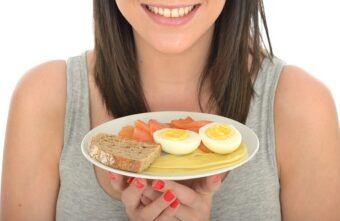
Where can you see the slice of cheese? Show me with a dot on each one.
(197, 161)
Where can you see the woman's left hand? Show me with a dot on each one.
(195, 199)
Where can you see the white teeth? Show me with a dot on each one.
(173, 13)
(187, 10)
(166, 13)
(181, 11)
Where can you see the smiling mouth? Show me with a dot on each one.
(171, 12)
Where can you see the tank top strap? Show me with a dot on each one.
(268, 77)
(77, 106)
(261, 113)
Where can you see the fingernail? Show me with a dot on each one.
(130, 179)
(174, 204)
(158, 185)
(112, 176)
(168, 196)
(216, 179)
(139, 183)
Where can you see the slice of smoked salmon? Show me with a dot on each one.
(142, 125)
(196, 125)
(155, 125)
(204, 148)
(142, 135)
(126, 132)
(179, 123)
(189, 124)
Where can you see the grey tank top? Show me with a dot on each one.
(250, 192)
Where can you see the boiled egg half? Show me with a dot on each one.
(220, 138)
(177, 141)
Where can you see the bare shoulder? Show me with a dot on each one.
(39, 99)
(308, 147)
(34, 139)
(303, 102)
(44, 80)
(304, 99)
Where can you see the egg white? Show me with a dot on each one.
(221, 146)
(177, 147)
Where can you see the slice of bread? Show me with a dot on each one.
(123, 154)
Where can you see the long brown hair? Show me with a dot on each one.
(236, 53)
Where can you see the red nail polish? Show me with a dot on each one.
(139, 184)
(168, 196)
(129, 181)
(112, 176)
(174, 204)
(158, 185)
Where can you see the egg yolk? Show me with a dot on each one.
(174, 134)
(219, 132)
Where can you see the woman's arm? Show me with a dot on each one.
(33, 143)
(308, 148)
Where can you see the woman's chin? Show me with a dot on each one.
(171, 49)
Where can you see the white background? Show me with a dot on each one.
(303, 33)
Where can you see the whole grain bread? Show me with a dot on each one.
(123, 154)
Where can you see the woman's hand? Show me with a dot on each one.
(195, 200)
(167, 200)
(162, 207)
(117, 183)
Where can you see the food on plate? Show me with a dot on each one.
(215, 137)
(124, 154)
(198, 161)
(220, 138)
(143, 131)
(195, 145)
(126, 132)
(177, 141)
(188, 123)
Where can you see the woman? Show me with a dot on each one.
(193, 55)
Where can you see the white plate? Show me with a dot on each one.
(114, 126)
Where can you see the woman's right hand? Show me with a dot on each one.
(164, 207)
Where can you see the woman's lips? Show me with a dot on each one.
(171, 15)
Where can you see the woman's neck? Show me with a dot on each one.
(180, 68)
(174, 76)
